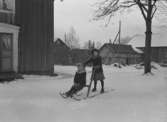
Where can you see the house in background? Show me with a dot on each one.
(159, 54)
(79, 55)
(119, 53)
(8, 41)
(63, 55)
(158, 46)
(61, 52)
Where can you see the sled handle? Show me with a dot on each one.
(90, 84)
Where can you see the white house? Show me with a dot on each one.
(8, 40)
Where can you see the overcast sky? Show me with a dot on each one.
(79, 14)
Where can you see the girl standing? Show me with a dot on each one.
(97, 70)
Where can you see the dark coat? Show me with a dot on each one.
(96, 62)
(80, 78)
(97, 71)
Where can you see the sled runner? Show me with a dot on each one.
(82, 96)
(65, 97)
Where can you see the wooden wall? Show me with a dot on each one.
(61, 54)
(35, 17)
(109, 57)
(158, 54)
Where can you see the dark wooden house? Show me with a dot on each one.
(35, 19)
(79, 55)
(61, 53)
(159, 54)
(114, 53)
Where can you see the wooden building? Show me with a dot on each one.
(26, 37)
(159, 54)
(114, 53)
(8, 41)
(79, 55)
(35, 19)
(61, 53)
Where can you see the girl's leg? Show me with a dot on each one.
(102, 86)
(95, 85)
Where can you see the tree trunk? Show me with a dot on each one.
(147, 59)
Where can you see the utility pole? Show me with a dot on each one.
(119, 41)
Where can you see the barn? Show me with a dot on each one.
(119, 53)
(61, 53)
(64, 55)
(159, 54)
(35, 19)
(79, 55)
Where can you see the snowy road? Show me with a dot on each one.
(136, 98)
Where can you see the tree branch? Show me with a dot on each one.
(154, 12)
(127, 6)
(154, 3)
(141, 8)
(107, 9)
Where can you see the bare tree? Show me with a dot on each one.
(148, 8)
(72, 39)
(89, 45)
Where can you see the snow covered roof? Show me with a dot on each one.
(119, 48)
(137, 50)
(158, 40)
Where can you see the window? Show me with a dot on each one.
(5, 52)
(7, 11)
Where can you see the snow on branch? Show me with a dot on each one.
(108, 8)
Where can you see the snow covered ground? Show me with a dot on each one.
(134, 98)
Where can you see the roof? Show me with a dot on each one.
(60, 42)
(138, 50)
(158, 40)
(119, 48)
(152, 47)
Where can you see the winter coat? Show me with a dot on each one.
(80, 78)
(96, 62)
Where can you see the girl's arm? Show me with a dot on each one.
(88, 61)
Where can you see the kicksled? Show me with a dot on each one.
(79, 97)
(82, 96)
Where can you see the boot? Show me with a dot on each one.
(94, 89)
(102, 87)
(95, 84)
(102, 91)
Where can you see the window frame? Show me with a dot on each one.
(6, 57)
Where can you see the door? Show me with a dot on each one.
(6, 52)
